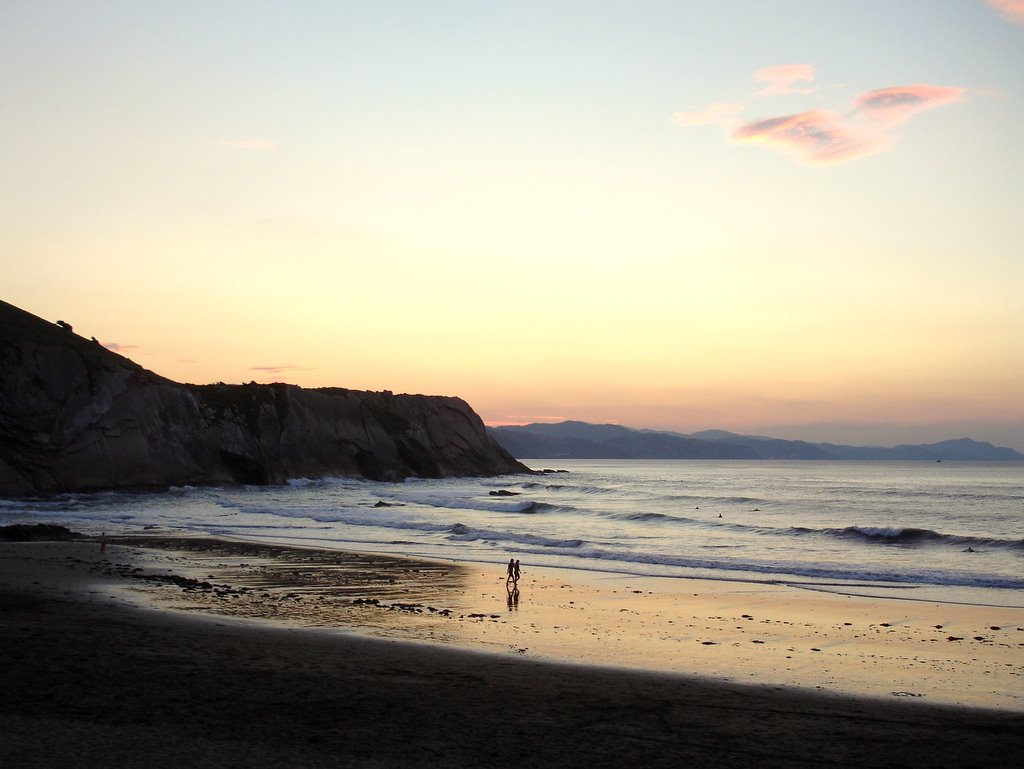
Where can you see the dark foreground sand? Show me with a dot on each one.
(88, 680)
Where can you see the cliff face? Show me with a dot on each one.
(75, 416)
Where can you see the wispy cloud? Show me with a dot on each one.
(720, 113)
(250, 144)
(817, 137)
(118, 347)
(279, 369)
(1011, 10)
(900, 103)
(823, 136)
(782, 77)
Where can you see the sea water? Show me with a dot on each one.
(934, 531)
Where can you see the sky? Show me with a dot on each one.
(786, 217)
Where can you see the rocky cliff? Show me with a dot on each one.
(75, 416)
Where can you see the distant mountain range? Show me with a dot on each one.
(583, 440)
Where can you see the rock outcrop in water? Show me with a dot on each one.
(75, 416)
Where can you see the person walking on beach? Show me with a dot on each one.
(515, 573)
(511, 571)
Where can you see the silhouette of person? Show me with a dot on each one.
(515, 572)
(511, 570)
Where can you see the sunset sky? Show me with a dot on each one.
(792, 217)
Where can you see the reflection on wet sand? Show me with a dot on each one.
(767, 633)
(306, 587)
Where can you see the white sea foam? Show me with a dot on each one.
(956, 525)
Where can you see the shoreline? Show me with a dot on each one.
(103, 670)
(774, 635)
(771, 634)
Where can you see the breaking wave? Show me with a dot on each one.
(909, 536)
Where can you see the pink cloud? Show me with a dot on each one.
(823, 136)
(1010, 10)
(819, 137)
(781, 79)
(719, 113)
(118, 347)
(900, 103)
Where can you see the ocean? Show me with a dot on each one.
(943, 531)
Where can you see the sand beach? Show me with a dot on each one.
(159, 651)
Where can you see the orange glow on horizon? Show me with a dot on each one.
(622, 253)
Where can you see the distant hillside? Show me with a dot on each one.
(583, 440)
(959, 449)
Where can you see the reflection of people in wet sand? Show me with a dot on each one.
(513, 598)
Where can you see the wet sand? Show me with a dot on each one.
(264, 667)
